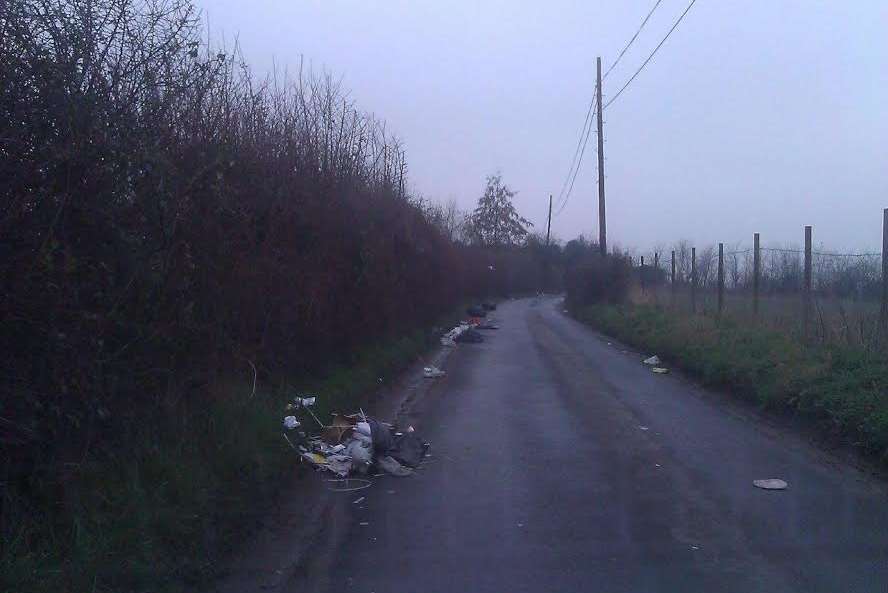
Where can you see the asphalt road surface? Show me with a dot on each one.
(560, 463)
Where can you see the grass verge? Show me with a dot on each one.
(162, 511)
(843, 389)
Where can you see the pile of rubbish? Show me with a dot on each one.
(466, 331)
(354, 444)
(450, 338)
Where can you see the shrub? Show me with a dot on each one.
(597, 279)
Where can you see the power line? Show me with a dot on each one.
(653, 53)
(573, 161)
(580, 161)
(589, 114)
(631, 41)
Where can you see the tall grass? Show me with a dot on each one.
(166, 509)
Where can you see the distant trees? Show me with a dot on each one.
(495, 222)
(448, 217)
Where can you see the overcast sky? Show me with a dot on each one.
(756, 115)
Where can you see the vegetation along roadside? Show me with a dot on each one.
(840, 387)
(181, 495)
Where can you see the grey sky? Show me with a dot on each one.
(758, 115)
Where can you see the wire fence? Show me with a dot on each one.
(816, 295)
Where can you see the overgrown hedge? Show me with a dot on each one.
(169, 222)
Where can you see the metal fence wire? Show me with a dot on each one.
(813, 294)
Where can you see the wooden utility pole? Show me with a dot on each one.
(602, 219)
(756, 272)
(806, 305)
(693, 279)
(549, 224)
(721, 278)
(641, 274)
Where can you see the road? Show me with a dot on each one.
(561, 463)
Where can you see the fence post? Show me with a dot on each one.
(756, 272)
(693, 279)
(656, 276)
(883, 312)
(672, 283)
(641, 274)
(721, 278)
(806, 307)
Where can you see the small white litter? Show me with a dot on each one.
(290, 422)
(643, 428)
(432, 372)
(770, 484)
(652, 361)
(364, 429)
(359, 500)
(449, 339)
(659, 370)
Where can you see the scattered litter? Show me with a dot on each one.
(658, 465)
(449, 339)
(652, 361)
(660, 370)
(364, 523)
(695, 547)
(301, 403)
(564, 311)
(469, 336)
(770, 484)
(360, 450)
(355, 444)
(643, 428)
(360, 500)
(348, 484)
(341, 465)
(390, 491)
(392, 466)
(521, 525)
(432, 372)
